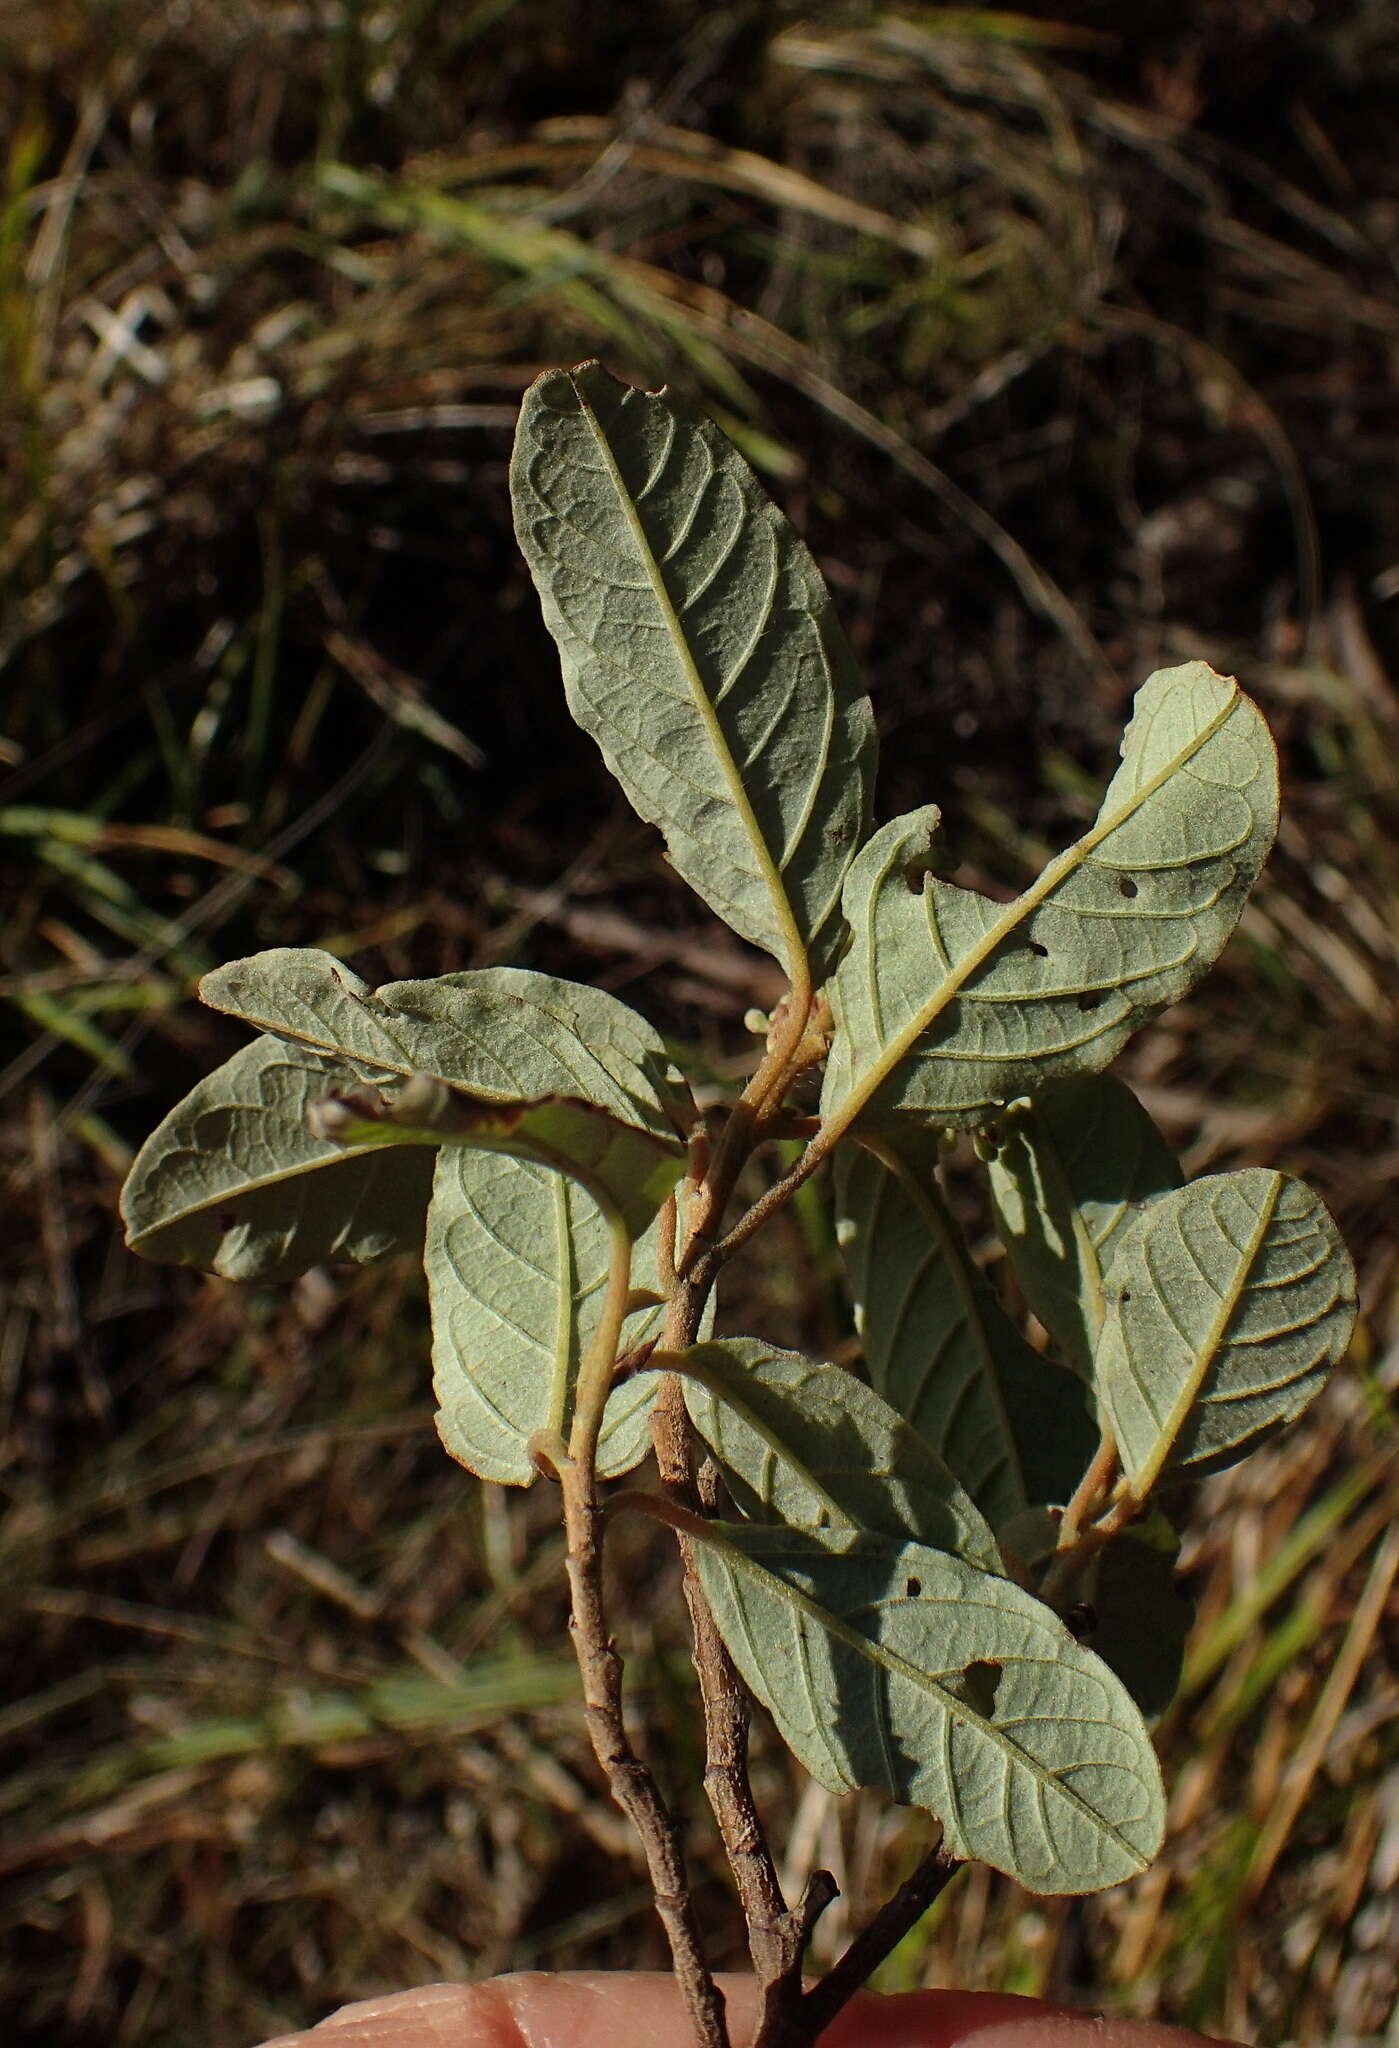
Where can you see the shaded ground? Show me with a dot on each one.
(1071, 352)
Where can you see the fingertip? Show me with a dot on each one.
(431, 2016)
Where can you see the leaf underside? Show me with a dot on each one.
(516, 1263)
(1230, 1302)
(1012, 1425)
(503, 1033)
(890, 1665)
(232, 1181)
(812, 1446)
(1071, 1169)
(949, 1004)
(544, 1069)
(700, 651)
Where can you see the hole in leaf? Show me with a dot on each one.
(1125, 1296)
(1126, 886)
(977, 1686)
(1042, 952)
(1090, 998)
(912, 1588)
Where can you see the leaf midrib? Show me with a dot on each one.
(1043, 886)
(1205, 1351)
(252, 1186)
(727, 1396)
(794, 946)
(955, 1708)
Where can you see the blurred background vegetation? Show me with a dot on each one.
(1068, 336)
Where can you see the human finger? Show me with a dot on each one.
(616, 2009)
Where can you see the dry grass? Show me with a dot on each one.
(1071, 355)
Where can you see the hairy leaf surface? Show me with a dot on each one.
(814, 1447)
(629, 1170)
(1012, 1425)
(891, 1665)
(233, 1182)
(516, 1264)
(1071, 1169)
(540, 1068)
(502, 1033)
(700, 651)
(1229, 1303)
(949, 1004)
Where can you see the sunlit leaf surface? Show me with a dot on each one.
(887, 1664)
(948, 1003)
(1230, 1302)
(700, 651)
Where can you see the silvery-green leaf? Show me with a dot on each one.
(1070, 1170)
(700, 651)
(1229, 1303)
(628, 1170)
(516, 1264)
(503, 1059)
(502, 1033)
(232, 1181)
(814, 1447)
(890, 1665)
(949, 1004)
(938, 1346)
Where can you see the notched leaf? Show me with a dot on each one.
(234, 1182)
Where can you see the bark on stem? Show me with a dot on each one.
(777, 1937)
(883, 1934)
(629, 1780)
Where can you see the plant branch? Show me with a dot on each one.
(777, 1195)
(599, 1361)
(883, 1934)
(1089, 1491)
(630, 1782)
(600, 1665)
(776, 1937)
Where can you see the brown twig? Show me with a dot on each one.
(725, 1707)
(629, 1780)
(883, 1934)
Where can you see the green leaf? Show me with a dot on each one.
(890, 1665)
(1070, 1171)
(628, 1170)
(1229, 1303)
(502, 1059)
(516, 1264)
(938, 1346)
(812, 1446)
(499, 1032)
(949, 1004)
(233, 1182)
(700, 651)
